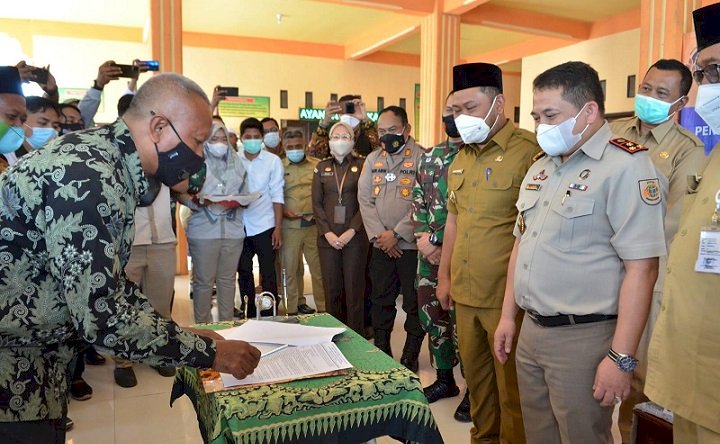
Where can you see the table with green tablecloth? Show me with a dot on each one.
(377, 397)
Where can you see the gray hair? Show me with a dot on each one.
(159, 88)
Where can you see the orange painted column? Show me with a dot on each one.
(663, 23)
(166, 25)
(166, 21)
(439, 52)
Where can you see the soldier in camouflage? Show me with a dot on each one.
(428, 216)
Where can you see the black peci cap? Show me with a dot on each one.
(707, 25)
(470, 75)
(10, 82)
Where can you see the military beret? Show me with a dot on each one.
(707, 25)
(10, 82)
(470, 75)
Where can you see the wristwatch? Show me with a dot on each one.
(625, 363)
(433, 239)
(397, 236)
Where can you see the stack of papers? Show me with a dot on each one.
(289, 352)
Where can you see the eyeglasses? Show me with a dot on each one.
(341, 137)
(711, 72)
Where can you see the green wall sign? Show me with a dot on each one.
(319, 114)
(245, 106)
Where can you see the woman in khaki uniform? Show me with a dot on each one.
(342, 242)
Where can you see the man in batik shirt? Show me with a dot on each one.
(66, 224)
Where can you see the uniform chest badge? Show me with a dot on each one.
(408, 164)
(405, 192)
(377, 179)
(460, 171)
(650, 191)
(540, 176)
(405, 181)
(390, 177)
(408, 152)
(533, 186)
(376, 190)
(664, 154)
(377, 164)
(499, 159)
(584, 174)
(521, 223)
(354, 169)
(578, 186)
(328, 169)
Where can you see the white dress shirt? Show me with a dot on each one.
(265, 175)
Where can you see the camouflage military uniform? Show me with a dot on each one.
(429, 215)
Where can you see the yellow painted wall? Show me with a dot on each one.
(511, 91)
(265, 74)
(615, 57)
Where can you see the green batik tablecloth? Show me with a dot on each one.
(377, 397)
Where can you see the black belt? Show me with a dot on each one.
(566, 319)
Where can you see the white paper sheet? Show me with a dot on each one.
(293, 363)
(270, 332)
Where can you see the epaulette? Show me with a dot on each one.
(690, 135)
(628, 145)
(538, 156)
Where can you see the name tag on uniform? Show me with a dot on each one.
(460, 171)
(708, 260)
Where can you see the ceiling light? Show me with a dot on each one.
(278, 17)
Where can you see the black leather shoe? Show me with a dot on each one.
(165, 371)
(80, 390)
(92, 357)
(462, 413)
(411, 352)
(305, 309)
(125, 377)
(440, 390)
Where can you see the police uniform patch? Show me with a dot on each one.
(578, 186)
(354, 169)
(377, 179)
(405, 181)
(328, 169)
(499, 159)
(664, 154)
(584, 174)
(628, 145)
(538, 156)
(460, 171)
(533, 186)
(376, 190)
(540, 176)
(408, 152)
(650, 191)
(408, 164)
(405, 192)
(377, 164)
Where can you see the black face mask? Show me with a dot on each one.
(178, 164)
(393, 142)
(66, 128)
(449, 126)
(152, 192)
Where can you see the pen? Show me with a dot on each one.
(567, 194)
(488, 171)
(282, 347)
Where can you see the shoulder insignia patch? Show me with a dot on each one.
(538, 156)
(650, 191)
(628, 145)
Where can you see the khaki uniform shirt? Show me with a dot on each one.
(483, 186)
(385, 192)
(579, 221)
(298, 190)
(684, 357)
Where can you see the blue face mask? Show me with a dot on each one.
(651, 110)
(295, 156)
(252, 146)
(41, 136)
(11, 138)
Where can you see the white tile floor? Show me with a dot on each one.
(142, 414)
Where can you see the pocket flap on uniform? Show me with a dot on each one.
(498, 182)
(574, 207)
(527, 201)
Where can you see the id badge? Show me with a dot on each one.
(708, 260)
(339, 214)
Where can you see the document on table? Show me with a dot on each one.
(269, 332)
(293, 363)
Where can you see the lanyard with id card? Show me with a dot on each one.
(708, 260)
(339, 210)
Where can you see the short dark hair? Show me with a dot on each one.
(579, 82)
(270, 119)
(292, 132)
(124, 103)
(250, 123)
(37, 104)
(676, 65)
(349, 98)
(397, 111)
(63, 106)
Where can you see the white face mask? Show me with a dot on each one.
(707, 105)
(341, 148)
(475, 129)
(350, 120)
(217, 149)
(271, 140)
(557, 140)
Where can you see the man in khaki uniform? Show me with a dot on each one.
(677, 154)
(588, 238)
(299, 230)
(684, 355)
(483, 184)
(385, 197)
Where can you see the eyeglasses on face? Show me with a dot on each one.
(711, 72)
(341, 137)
